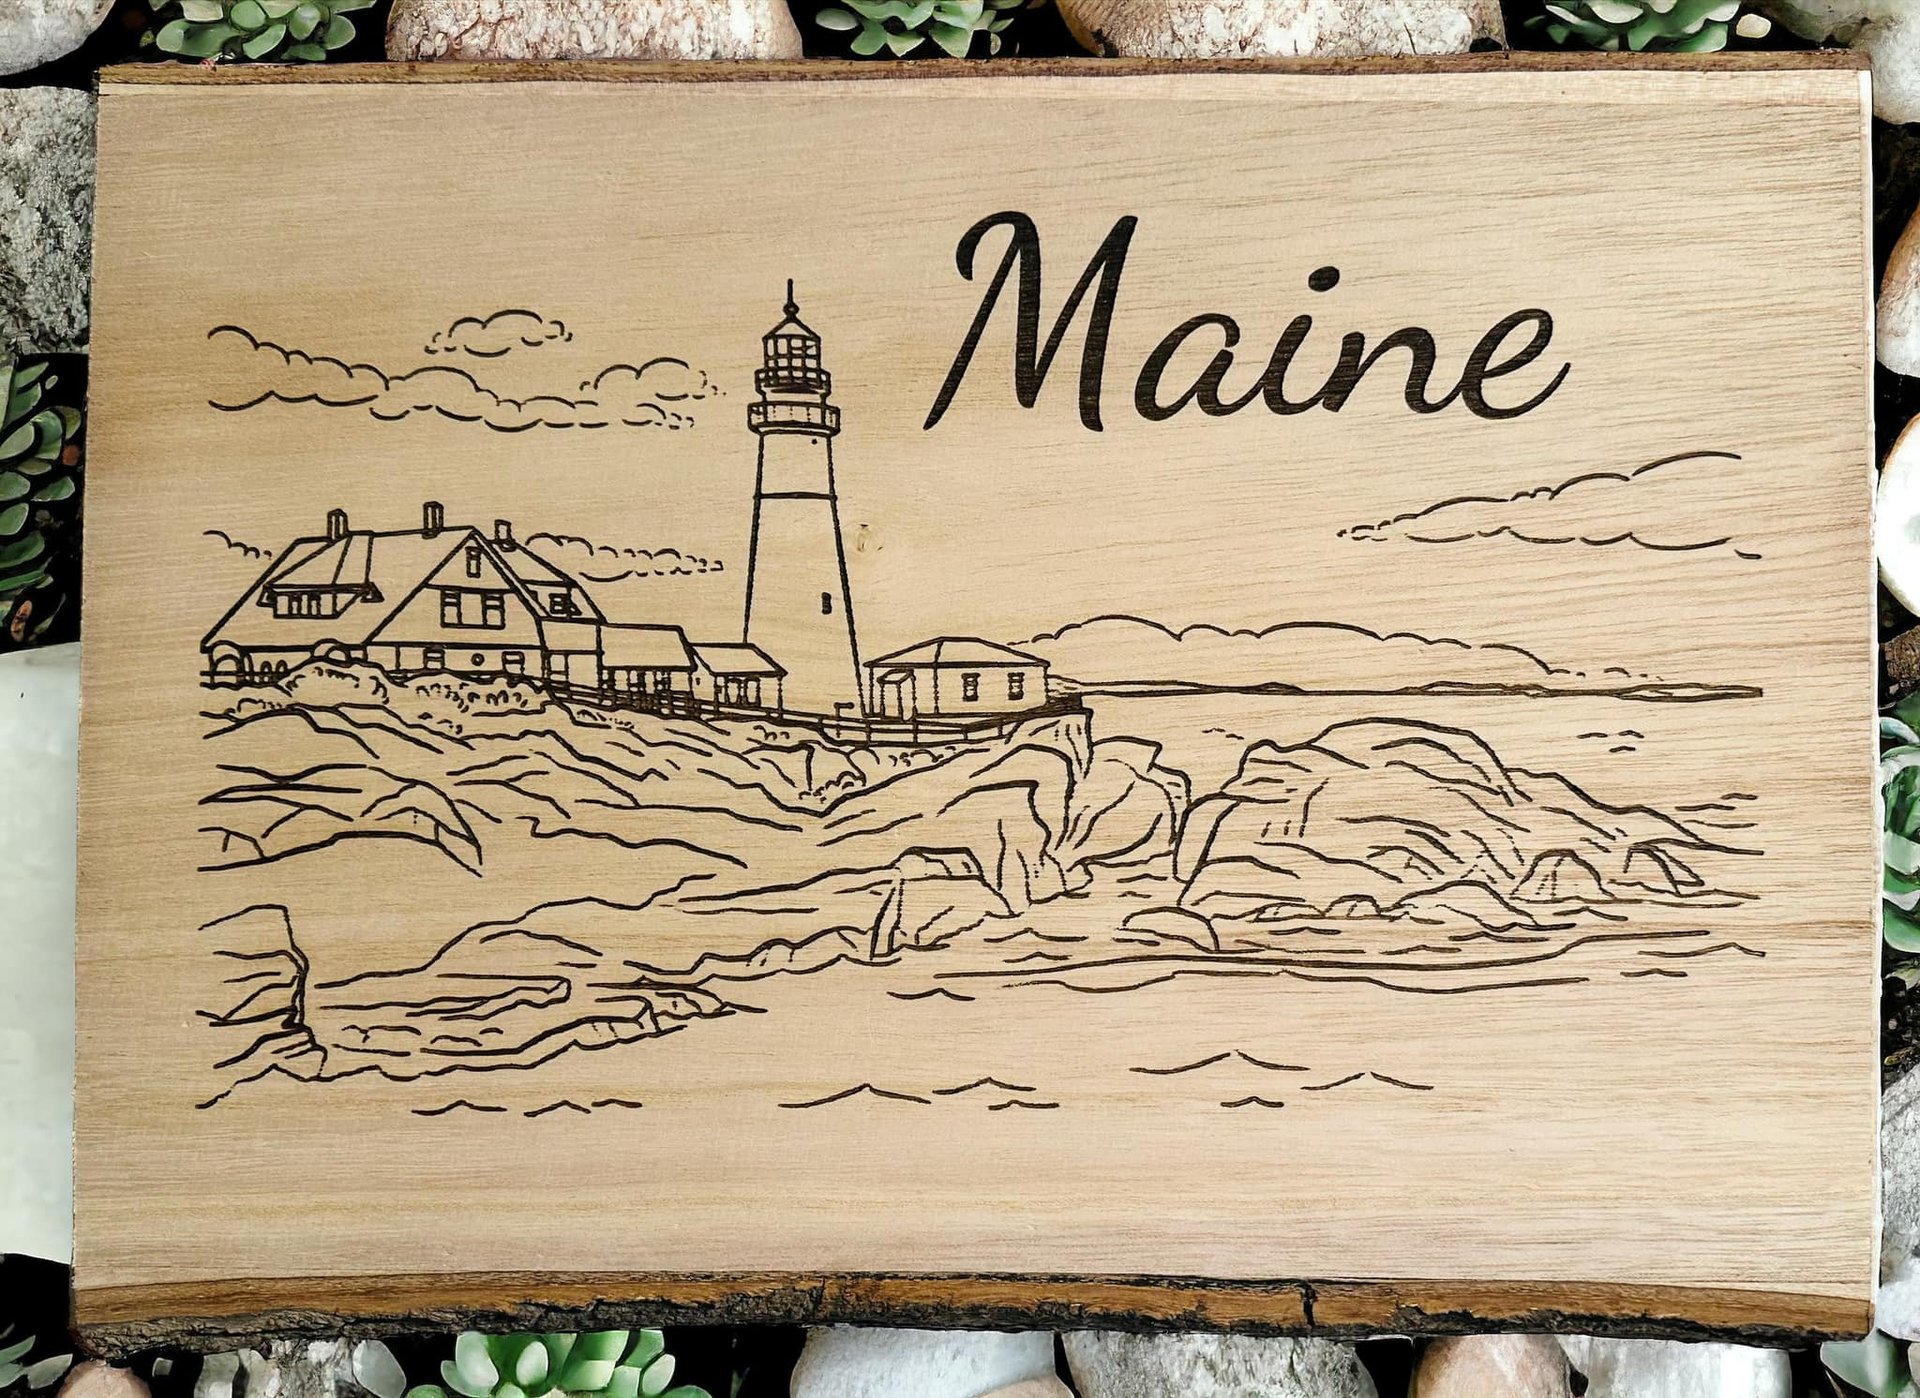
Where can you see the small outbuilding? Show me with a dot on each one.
(652, 660)
(736, 674)
(953, 677)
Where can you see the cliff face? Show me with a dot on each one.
(1380, 817)
(803, 853)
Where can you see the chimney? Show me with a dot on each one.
(336, 524)
(433, 518)
(503, 532)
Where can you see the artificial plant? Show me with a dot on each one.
(614, 1363)
(39, 503)
(1877, 1366)
(1900, 830)
(306, 30)
(1671, 26)
(901, 26)
(18, 1374)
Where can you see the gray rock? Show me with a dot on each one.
(845, 1361)
(46, 218)
(1107, 1364)
(1887, 31)
(33, 32)
(656, 29)
(1670, 1369)
(1281, 28)
(289, 1369)
(1493, 1366)
(1896, 1307)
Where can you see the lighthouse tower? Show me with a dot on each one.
(798, 608)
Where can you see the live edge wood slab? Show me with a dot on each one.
(675, 731)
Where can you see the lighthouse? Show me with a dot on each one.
(799, 610)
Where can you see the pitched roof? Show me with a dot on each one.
(954, 651)
(386, 568)
(735, 660)
(396, 564)
(625, 646)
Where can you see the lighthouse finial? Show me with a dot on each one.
(792, 308)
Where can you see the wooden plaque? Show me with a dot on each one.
(1083, 694)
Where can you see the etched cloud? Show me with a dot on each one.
(490, 337)
(607, 563)
(1674, 505)
(249, 371)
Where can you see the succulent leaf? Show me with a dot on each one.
(1643, 26)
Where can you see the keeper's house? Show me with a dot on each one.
(432, 598)
(955, 677)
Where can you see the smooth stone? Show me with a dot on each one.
(1110, 1364)
(1896, 1307)
(1281, 28)
(1493, 1366)
(33, 32)
(1672, 1369)
(46, 218)
(1887, 31)
(847, 1361)
(1896, 521)
(376, 1370)
(654, 29)
(1032, 1388)
(1896, 327)
(92, 1379)
(218, 1373)
(39, 771)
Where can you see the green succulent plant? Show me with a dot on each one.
(1672, 26)
(1876, 1365)
(616, 1363)
(39, 504)
(901, 26)
(307, 30)
(17, 1375)
(1900, 830)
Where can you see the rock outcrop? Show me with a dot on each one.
(788, 853)
(1396, 820)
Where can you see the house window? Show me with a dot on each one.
(826, 604)
(563, 605)
(515, 662)
(1016, 685)
(435, 658)
(473, 560)
(970, 687)
(493, 610)
(479, 661)
(449, 606)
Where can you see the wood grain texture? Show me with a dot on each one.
(590, 813)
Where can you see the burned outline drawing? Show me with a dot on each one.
(791, 810)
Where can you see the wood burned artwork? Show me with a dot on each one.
(1239, 698)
